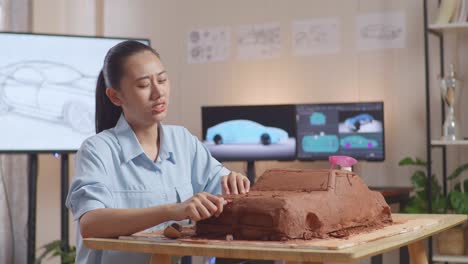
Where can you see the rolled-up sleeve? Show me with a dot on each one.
(206, 170)
(90, 188)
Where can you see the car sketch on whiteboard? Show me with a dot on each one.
(50, 91)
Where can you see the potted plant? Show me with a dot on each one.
(55, 249)
(453, 241)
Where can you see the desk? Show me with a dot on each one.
(392, 195)
(162, 252)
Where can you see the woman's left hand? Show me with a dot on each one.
(235, 183)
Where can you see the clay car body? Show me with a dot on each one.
(299, 204)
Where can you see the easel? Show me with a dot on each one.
(32, 202)
(32, 191)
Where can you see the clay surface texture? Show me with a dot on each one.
(287, 204)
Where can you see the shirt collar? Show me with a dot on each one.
(131, 148)
(165, 152)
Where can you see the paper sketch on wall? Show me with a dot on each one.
(208, 45)
(259, 41)
(317, 36)
(50, 91)
(380, 31)
(2, 15)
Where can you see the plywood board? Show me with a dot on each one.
(399, 227)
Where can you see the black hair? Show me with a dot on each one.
(107, 114)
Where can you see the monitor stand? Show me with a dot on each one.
(251, 171)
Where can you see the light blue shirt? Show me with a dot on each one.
(113, 171)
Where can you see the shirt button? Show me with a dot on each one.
(165, 196)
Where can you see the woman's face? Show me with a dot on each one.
(144, 89)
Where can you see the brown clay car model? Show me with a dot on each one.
(300, 204)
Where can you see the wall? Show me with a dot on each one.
(395, 76)
(57, 17)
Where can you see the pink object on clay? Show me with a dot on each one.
(343, 161)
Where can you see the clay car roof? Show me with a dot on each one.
(304, 180)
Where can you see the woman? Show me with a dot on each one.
(136, 173)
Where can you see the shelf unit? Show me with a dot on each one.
(451, 259)
(438, 143)
(440, 28)
(438, 31)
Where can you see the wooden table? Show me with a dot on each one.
(394, 195)
(162, 252)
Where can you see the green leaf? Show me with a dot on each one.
(48, 249)
(409, 161)
(406, 161)
(54, 249)
(458, 171)
(420, 162)
(419, 179)
(416, 206)
(69, 259)
(436, 188)
(422, 195)
(53, 245)
(459, 202)
(439, 204)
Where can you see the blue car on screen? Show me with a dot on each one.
(355, 123)
(244, 132)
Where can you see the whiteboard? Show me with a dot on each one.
(47, 90)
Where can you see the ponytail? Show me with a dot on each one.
(107, 114)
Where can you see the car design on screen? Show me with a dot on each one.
(243, 131)
(318, 119)
(50, 91)
(355, 123)
(358, 142)
(320, 143)
(265, 212)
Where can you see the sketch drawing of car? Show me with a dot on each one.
(264, 36)
(358, 142)
(243, 131)
(49, 91)
(326, 198)
(381, 32)
(311, 38)
(355, 123)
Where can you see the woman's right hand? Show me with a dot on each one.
(201, 206)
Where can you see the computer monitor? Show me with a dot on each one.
(47, 90)
(250, 133)
(351, 129)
